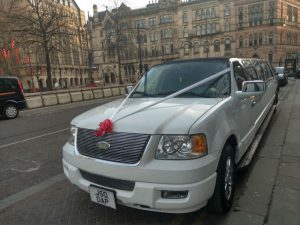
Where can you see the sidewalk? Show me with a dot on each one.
(271, 195)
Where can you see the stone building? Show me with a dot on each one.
(268, 29)
(126, 41)
(69, 53)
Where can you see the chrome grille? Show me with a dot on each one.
(108, 182)
(124, 147)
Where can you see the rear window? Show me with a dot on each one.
(6, 85)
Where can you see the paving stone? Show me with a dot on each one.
(291, 150)
(285, 207)
(290, 169)
(264, 171)
(271, 152)
(288, 182)
(236, 218)
(294, 125)
(255, 198)
(292, 137)
(276, 136)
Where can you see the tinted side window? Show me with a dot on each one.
(259, 71)
(239, 75)
(249, 70)
(266, 71)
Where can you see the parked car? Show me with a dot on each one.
(282, 76)
(12, 97)
(174, 144)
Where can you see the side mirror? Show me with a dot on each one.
(129, 89)
(254, 86)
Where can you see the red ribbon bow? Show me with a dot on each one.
(106, 126)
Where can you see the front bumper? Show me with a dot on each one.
(193, 176)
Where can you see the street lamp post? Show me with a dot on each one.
(140, 50)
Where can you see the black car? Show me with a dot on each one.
(12, 97)
(282, 76)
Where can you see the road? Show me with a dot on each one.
(33, 189)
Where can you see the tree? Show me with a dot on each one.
(45, 23)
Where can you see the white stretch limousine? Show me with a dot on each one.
(174, 143)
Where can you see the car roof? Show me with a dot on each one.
(8, 77)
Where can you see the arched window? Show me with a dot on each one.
(196, 49)
(227, 44)
(145, 38)
(113, 77)
(186, 49)
(207, 13)
(226, 10)
(203, 14)
(241, 41)
(216, 46)
(213, 13)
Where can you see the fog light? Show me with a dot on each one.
(174, 194)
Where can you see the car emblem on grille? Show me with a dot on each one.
(102, 145)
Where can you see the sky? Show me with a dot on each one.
(87, 5)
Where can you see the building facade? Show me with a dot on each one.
(126, 42)
(68, 48)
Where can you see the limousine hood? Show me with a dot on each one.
(173, 116)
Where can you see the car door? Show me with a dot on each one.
(245, 111)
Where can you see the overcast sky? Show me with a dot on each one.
(87, 5)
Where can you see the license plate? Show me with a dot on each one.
(103, 196)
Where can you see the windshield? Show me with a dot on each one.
(166, 79)
(279, 69)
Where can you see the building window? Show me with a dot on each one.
(152, 21)
(203, 29)
(166, 33)
(208, 29)
(213, 28)
(227, 26)
(271, 12)
(185, 32)
(251, 40)
(213, 13)
(216, 46)
(256, 14)
(153, 37)
(255, 40)
(139, 23)
(186, 49)
(289, 12)
(185, 18)
(227, 44)
(260, 39)
(207, 13)
(271, 38)
(196, 49)
(226, 10)
(241, 17)
(197, 30)
(241, 41)
(203, 14)
(166, 19)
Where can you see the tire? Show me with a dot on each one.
(275, 102)
(222, 199)
(10, 111)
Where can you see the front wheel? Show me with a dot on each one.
(10, 111)
(222, 198)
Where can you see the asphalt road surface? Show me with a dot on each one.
(33, 189)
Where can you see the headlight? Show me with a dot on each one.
(73, 131)
(181, 147)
